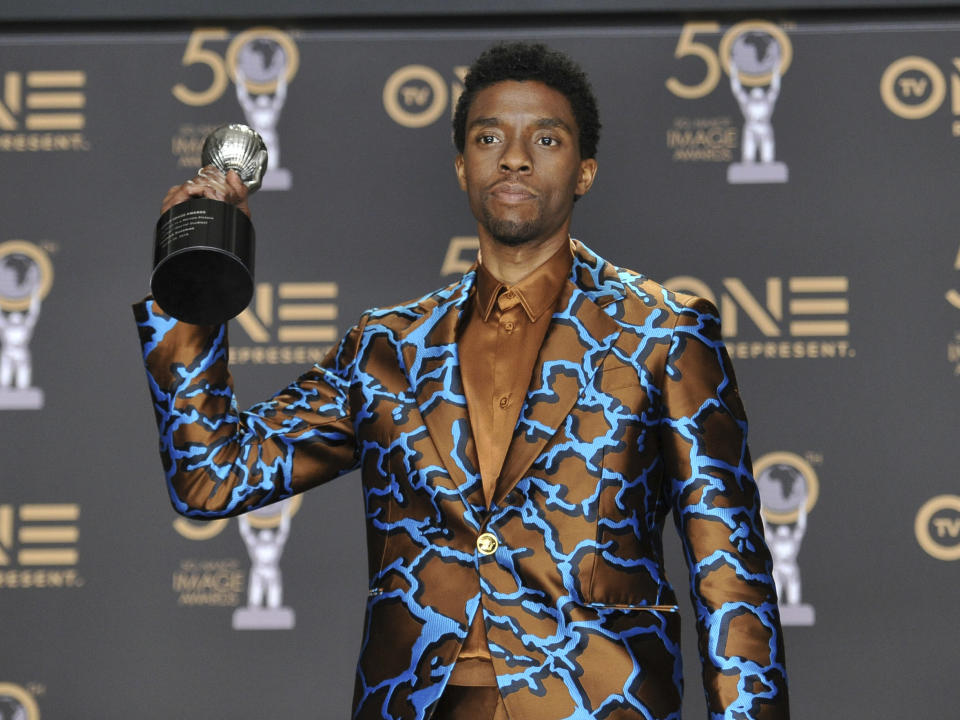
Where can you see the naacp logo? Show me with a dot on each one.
(221, 582)
(755, 54)
(756, 57)
(937, 527)
(261, 61)
(788, 492)
(26, 276)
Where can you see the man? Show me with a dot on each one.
(522, 435)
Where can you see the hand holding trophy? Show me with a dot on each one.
(204, 246)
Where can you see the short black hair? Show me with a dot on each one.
(531, 61)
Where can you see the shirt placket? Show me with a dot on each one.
(506, 403)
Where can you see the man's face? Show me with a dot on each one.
(521, 163)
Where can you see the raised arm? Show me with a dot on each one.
(246, 532)
(774, 90)
(33, 311)
(283, 532)
(801, 528)
(280, 94)
(735, 86)
(243, 95)
(219, 461)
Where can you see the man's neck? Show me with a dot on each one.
(511, 264)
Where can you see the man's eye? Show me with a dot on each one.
(487, 139)
(548, 141)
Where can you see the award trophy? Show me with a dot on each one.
(203, 250)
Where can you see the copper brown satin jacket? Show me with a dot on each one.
(632, 413)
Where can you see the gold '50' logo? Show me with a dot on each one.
(223, 68)
(717, 61)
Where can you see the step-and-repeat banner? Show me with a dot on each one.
(802, 176)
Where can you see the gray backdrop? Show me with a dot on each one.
(839, 288)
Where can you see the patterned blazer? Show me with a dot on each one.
(632, 413)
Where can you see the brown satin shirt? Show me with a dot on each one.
(498, 345)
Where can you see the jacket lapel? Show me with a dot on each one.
(428, 347)
(580, 336)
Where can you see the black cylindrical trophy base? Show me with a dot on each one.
(203, 261)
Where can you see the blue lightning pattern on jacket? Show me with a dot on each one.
(632, 413)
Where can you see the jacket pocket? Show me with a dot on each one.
(623, 606)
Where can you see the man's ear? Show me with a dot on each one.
(461, 175)
(588, 173)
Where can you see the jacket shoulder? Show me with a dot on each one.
(643, 295)
(403, 314)
(626, 294)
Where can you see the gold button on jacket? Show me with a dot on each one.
(487, 544)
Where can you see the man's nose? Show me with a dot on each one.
(516, 157)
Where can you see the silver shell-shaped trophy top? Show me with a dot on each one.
(236, 147)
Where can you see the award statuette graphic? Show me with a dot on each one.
(203, 251)
(26, 276)
(788, 489)
(756, 57)
(265, 532)
(262, 62)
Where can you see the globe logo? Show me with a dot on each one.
(786, 483)
(756, 53)
(782, 488)
(25, 272)
(262, 60)
(758, 49)
(19, 277)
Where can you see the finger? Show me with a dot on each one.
(211, 172)
(195, 187)
(237, 191)
(174, 196)
(212, 193)
(236, 184)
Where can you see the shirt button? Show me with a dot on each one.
(487, 544)
(508, 295)
(504, 401)
(508, 326)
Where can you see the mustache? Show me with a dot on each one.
(512, 186)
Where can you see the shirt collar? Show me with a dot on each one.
(536, 292)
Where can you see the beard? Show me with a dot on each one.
(512, 233)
